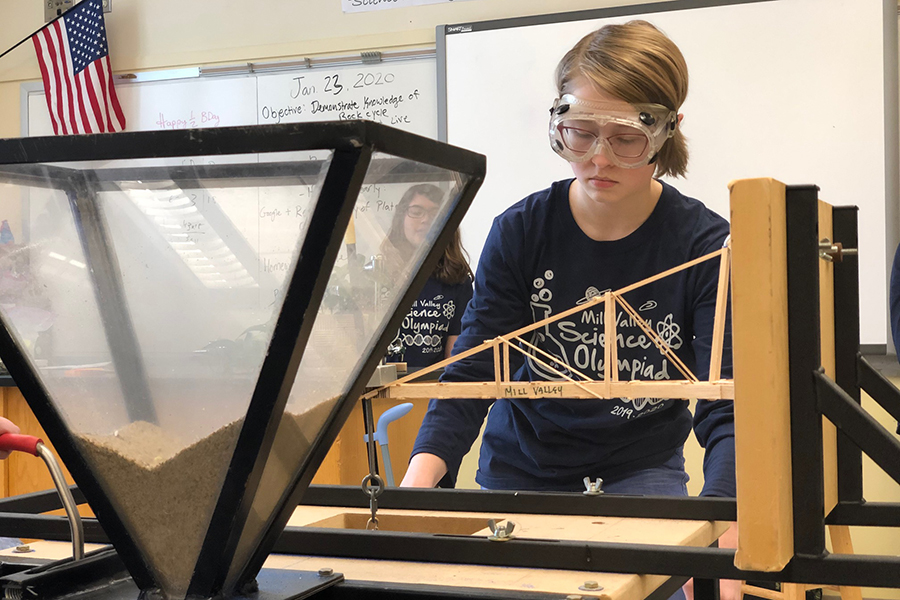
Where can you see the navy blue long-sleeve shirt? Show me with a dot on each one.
(537, 262)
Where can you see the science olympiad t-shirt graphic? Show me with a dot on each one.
(435, 315)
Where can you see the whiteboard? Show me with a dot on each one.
(397, 93)
(402, 94)
(800, 90)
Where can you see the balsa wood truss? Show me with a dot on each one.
(579, 385)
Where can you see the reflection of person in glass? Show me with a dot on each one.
(427, 333)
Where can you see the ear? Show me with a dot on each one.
(680, 117)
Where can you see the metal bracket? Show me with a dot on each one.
(834, 251)
(54, 8)
(369, 58)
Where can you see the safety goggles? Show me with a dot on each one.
(632, 134)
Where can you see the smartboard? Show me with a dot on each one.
(804, 91)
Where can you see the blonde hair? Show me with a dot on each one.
(637, 63)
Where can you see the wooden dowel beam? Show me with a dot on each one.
(718, 338)
(715, 390)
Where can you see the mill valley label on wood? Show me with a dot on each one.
(399, 94)
(351, 6)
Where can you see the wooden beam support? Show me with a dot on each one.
(707, 390)
(761, 375)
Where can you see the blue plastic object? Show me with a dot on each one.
(381, 435)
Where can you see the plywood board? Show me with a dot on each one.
(761, 375)
(528, 526)
(615, 586)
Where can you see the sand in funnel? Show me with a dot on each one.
(166, 493)
(163, 491)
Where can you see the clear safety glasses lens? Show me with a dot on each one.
(627, 143)
(631, 135)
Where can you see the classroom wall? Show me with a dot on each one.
(172, 33)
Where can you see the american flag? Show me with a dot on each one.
(74, 60)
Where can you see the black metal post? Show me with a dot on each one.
(706, 589)
(395, 143)
(846, 345)
(318, 252)
(112, 303)
(804, 355)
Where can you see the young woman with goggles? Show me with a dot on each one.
(616, 122)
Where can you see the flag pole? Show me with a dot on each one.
(41, 29)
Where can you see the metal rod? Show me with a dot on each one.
(112, 301)
(549, 503)
(369, 427)
(68, 502)
(868, 514)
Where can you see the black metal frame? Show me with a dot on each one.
(813, 396)
(319, 251)
(804, 356)
(354, 143)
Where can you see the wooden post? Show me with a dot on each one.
(497, 370)
(841, 544)
(826, 311)
(506, 374)
(611, 307)
(609, 333)
(715, 358)
(761, 375)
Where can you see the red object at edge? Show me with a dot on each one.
(22, 443)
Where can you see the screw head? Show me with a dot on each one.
(326, 572)
(590, 585)
(23, 549)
